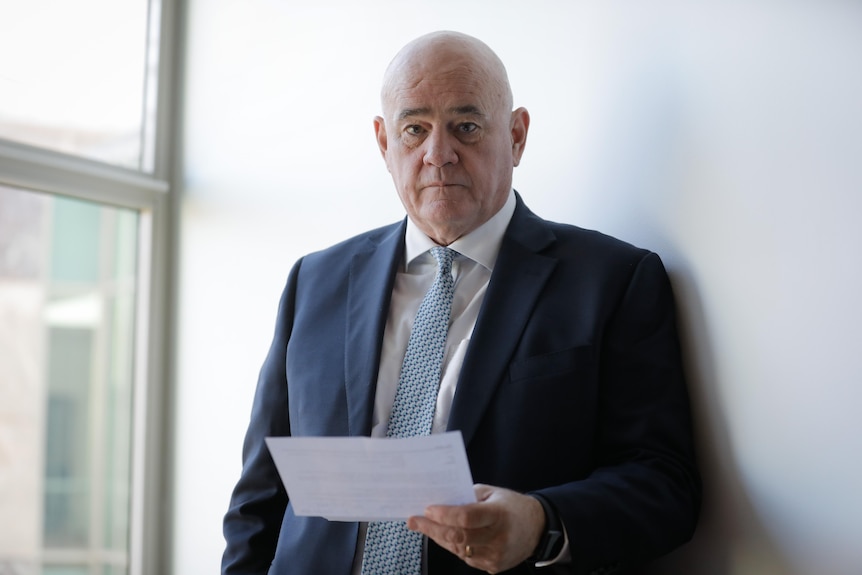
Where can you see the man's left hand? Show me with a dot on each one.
(497, 533)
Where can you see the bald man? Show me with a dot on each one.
(560, 367)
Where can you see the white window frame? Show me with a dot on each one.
(37, 169)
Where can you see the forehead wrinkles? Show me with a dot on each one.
(456, 89)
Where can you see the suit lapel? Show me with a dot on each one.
(519, 276)
(372, 272)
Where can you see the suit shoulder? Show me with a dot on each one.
(580, 239)
(359, 242)
(568, 240)
(605, 258)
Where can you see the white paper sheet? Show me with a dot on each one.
(372, 479)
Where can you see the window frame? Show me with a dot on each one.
(149, 193)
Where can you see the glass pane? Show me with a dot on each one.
(67, 303)
(65, 571)
(73, 76)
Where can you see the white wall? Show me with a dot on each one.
(724, 135)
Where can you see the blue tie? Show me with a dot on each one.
(391, 548)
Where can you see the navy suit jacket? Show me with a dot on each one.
(571, 387)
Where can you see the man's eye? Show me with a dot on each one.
(467, 127)
(413, 130)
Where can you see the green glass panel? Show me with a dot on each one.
(68, 280)
(76, 241)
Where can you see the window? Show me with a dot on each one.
(68, 278)
(84, 226)
(73, 77)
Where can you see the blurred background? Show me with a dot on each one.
(163, 164)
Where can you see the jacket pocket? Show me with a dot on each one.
(552, 365)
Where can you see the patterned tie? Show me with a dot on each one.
(391, 548)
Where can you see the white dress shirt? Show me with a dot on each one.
(471, 270)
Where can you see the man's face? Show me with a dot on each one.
(450, 143)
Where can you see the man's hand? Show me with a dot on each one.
(497, 533)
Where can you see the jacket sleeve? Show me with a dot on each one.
(643, 497)
(257, 506)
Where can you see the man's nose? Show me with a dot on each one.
(440, 149)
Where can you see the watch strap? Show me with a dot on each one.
(552, 539)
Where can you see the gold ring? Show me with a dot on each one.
(468, 551)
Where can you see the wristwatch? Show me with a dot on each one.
(551, 542)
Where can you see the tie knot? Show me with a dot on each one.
(444, 257)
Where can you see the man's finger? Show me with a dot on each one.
(482, 491)
(471, 516)
(437, 531)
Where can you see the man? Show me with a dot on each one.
(561, 366)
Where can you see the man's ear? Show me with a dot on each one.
(520, 126)
(380, 134)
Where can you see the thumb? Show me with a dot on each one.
(482, 491)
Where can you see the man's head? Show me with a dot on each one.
(448, 133)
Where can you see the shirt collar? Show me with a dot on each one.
(481, 245)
